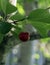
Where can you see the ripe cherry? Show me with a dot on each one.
(24, 36)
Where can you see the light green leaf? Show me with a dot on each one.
(43, 3)
(40, 19)
(41, 28)
(40, 15)
(20, 9)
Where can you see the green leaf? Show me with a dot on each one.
(10, 8)
(5, 27)
(20, 1)
(40, 15)
(17, 16)
(0, 7)
(40, 19)
(6, 7)
(20, 9)
(41, 28)
(20, 12)
(1, 37)
(3, 4)
(29, 1)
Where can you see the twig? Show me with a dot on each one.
(20, 20)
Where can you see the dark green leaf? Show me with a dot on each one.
(1, 37)
(5, 27)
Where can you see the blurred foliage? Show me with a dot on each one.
(36, 56)
(39, 18)
(45, 47)
(45, 39)
(44, 3)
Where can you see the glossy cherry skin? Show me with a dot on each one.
(24, 36)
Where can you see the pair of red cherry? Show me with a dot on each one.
(24, 36)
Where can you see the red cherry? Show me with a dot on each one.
(24, 36)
